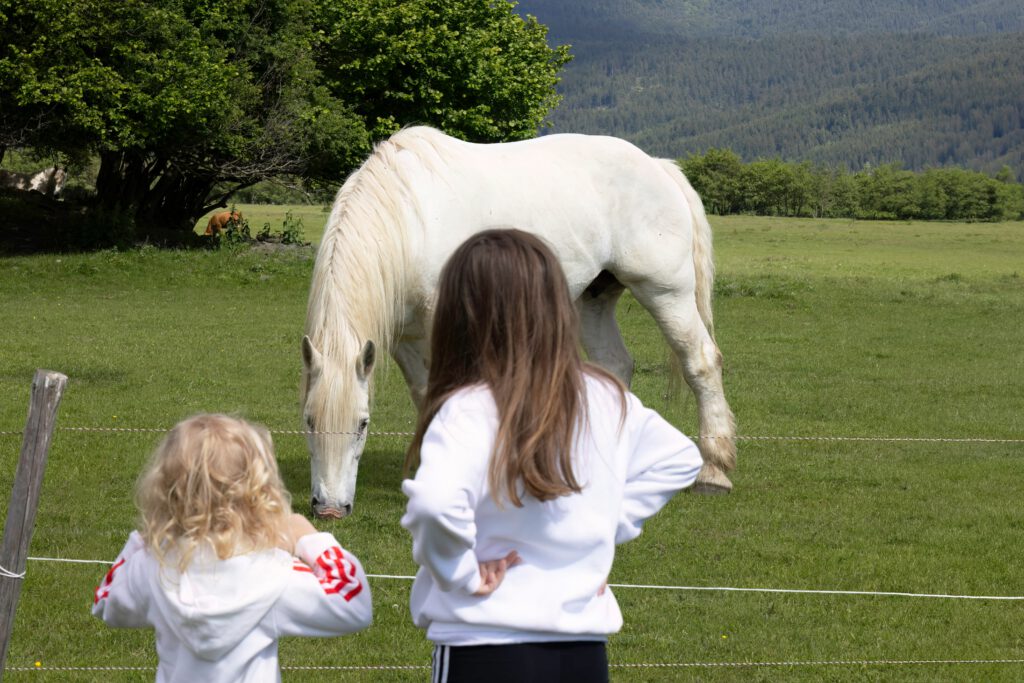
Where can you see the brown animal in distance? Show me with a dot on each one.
(219, 221)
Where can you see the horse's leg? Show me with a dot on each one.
(675, 311)
(600, 331)
(411, 356)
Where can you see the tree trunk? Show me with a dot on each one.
(163, 202)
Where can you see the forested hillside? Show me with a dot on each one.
(920, 83)
(576, 19)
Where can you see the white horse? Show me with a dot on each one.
(615, 217)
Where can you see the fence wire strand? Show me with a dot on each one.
(723, 589)
(738, 437)
(612, 665)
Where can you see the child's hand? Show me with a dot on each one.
(297, 527)
(492, 572)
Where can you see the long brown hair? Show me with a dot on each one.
(505, 318)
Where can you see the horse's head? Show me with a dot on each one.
(336, 408)
(60, 175)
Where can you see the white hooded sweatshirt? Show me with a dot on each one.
(629, 467)
(220, 620)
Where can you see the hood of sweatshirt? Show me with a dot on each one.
(215, 603)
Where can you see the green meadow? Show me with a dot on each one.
(273, 216)
(904, 339)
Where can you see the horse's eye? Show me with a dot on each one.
(363, 424)
(310, 423)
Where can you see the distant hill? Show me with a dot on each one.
(918, 82)
(585, 19)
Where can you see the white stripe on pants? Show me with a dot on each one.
(440, 664)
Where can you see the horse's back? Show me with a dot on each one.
(14, 180)
(601, 202)
(563, 156)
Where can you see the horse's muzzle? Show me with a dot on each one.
(324, 511)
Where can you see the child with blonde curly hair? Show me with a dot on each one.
(219, 566)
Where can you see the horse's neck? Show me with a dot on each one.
(370, 309)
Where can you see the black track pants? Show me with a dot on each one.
(559, 662)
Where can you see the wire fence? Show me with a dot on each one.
(355, 668)
(723, 589)
(738, 437)
(860, 663)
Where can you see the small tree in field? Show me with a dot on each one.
(716, 177)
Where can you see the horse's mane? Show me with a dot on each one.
(358, 289)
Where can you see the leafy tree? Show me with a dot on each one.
(832, 193)
(884, 193)
(471, 67)
(774, 187)
(178, 97)
(715, 175)
(1005, 175)
(185, 102)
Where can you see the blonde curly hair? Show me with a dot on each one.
(212, 483)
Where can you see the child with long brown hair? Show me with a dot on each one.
(220, 567)
(531, 465)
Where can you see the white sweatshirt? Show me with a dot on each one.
(567, 544)
(220, 620)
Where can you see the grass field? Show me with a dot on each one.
(313, 217)
(828, 328)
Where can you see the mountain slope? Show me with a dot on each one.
(583, 19)
(841, 95)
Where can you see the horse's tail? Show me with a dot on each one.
(703, 256)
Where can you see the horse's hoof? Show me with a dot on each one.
(711, 481)
(708, 489)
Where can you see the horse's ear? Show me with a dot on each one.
(310, 356)
(364, 366)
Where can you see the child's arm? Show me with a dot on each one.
(114, 602)
(663, 462)
(328, 594)
(443, 496)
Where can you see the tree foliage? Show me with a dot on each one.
(185, 102)
(771, 187)
(473, 68)
(176, 98)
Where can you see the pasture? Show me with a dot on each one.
(313, 217)
(828, 328)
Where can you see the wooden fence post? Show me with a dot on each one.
(47, 389)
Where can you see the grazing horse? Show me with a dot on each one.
(49, 181)
(219, 221)
(616, 218)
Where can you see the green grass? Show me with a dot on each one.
(313, 217)
(828, 328)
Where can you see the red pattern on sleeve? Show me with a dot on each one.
(103, 590)
(336, 574)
